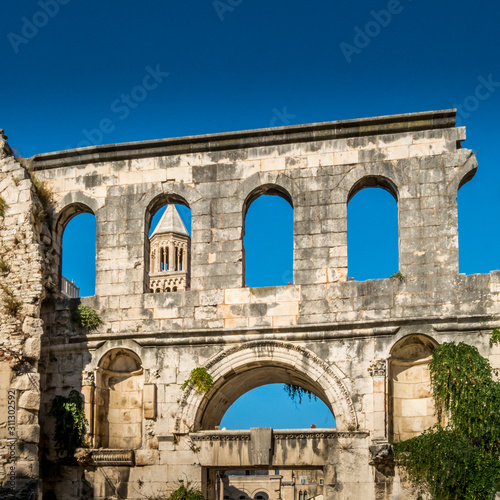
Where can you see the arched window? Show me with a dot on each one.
(168, 245)
(372, 230)
(410, 404)
(301, 495)
(78, 256)
(268, 238)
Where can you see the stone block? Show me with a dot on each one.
(28, 433)
(29, 400)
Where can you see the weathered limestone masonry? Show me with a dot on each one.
(23, 256)
(362, 347)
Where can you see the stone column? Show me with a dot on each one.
(171, 257)
(88, 390)
(378, 371)
(185, 259)
(157, 263)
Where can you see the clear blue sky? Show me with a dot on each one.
(73, 78)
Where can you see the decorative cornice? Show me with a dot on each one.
(103, 457)
(391, 124)
(279, 435)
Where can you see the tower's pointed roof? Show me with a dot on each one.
(170, 222)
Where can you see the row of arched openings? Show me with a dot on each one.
(268, 239)
(121, 393)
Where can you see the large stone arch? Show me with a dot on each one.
(242, 368)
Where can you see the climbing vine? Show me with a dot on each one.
(296, 392)
(200, 379)
(460, 460)
(495, 337)
(70, 421)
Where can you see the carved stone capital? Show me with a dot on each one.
(88, 378)
(378, 368)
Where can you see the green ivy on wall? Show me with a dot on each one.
(70, 421)
(462, 459)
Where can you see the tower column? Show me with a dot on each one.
(171, 257)
(184, 259)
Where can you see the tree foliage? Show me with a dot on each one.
(461, 459)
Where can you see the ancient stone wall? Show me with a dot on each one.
(344, 340)
(23, 258)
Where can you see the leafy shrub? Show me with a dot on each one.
(86, 317)
(44, 193)
(398, 276)
(182, 493)
(4, 267)
(70, 421)
(3, 206)
(200, 379)
(13, 306)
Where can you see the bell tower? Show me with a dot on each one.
(169, 254)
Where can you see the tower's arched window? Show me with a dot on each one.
(78, 256)
(268, 239)
(169, 249)
(372, 230)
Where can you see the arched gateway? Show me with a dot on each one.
(252, 364)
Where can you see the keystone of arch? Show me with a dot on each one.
(386, 171)
(170, 188)
(263, 181)
(87, 203)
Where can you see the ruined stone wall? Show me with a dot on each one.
(326, 334)
(23, 260)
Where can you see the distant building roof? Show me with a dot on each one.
(170, 222)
